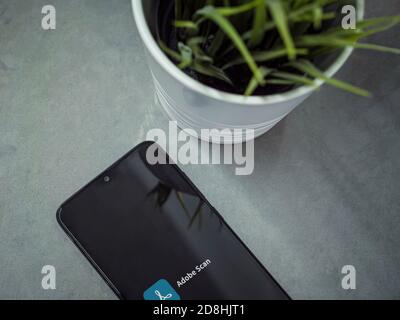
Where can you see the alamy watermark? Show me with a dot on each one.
(349, 280)
(49, 278)
(49, 18)
(349, 20)
(185, 147)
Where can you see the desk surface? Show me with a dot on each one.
(326, 187)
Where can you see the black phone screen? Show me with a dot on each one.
(152, 235)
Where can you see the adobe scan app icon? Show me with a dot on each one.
(161, 290)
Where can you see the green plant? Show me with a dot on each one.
(267, 42)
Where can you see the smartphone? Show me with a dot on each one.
(152, 235)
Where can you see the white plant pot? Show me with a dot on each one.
(196, 106)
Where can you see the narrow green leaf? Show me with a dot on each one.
(264, 56)
(317, 17)
(367, 27)
(259, 21)
(231, 11)
(308, 68)
(178, 9)
(253, 84)
(173, 54)
(293, 77)
(185, 24)
(211, 71)
(212, 14)
(279, 15)
(370, 46)
(195, 44)
(280, 82)
(186, 55)
(332, 41)
(217, 43)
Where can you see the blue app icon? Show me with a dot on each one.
(161, 290)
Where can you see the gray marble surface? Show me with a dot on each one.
(326, 187)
